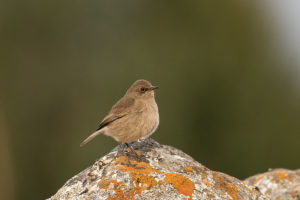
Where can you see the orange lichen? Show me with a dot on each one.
(142, 180)
(139, 177)
(188, 169)
(279, 176)
(223, 185)
(200, 170)
(116, 186)
(206, 183)
(269, 191)
(295, 193)
(258, 179)
(137, 152)
(141, 167)
(183, 185)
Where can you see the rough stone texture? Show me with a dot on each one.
(162, 172)
(277, 184)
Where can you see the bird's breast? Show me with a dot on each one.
(138, 125)
(152, 119)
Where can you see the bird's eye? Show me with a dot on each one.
(143, 89)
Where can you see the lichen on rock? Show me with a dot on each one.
(277, 184)
(161, 172)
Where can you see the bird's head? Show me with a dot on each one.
(141, 89)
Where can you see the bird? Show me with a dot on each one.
(134, 117)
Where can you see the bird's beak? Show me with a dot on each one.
(154, 87)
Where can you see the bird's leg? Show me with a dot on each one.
(132, 150)
(127, 157)
(129, 163)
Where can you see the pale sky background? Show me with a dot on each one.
(284, 19)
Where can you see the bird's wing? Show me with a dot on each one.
(122, 108)
(107, 120)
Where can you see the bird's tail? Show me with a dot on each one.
(98, 132)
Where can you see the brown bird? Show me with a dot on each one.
(135, 116)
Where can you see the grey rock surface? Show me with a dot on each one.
(277, 184)
(161, 172)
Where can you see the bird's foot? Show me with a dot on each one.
(127, 153)
(132, 150)
(129, 163)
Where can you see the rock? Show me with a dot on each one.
(277, 184)
(161, 172)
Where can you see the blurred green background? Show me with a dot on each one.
(228, 96)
